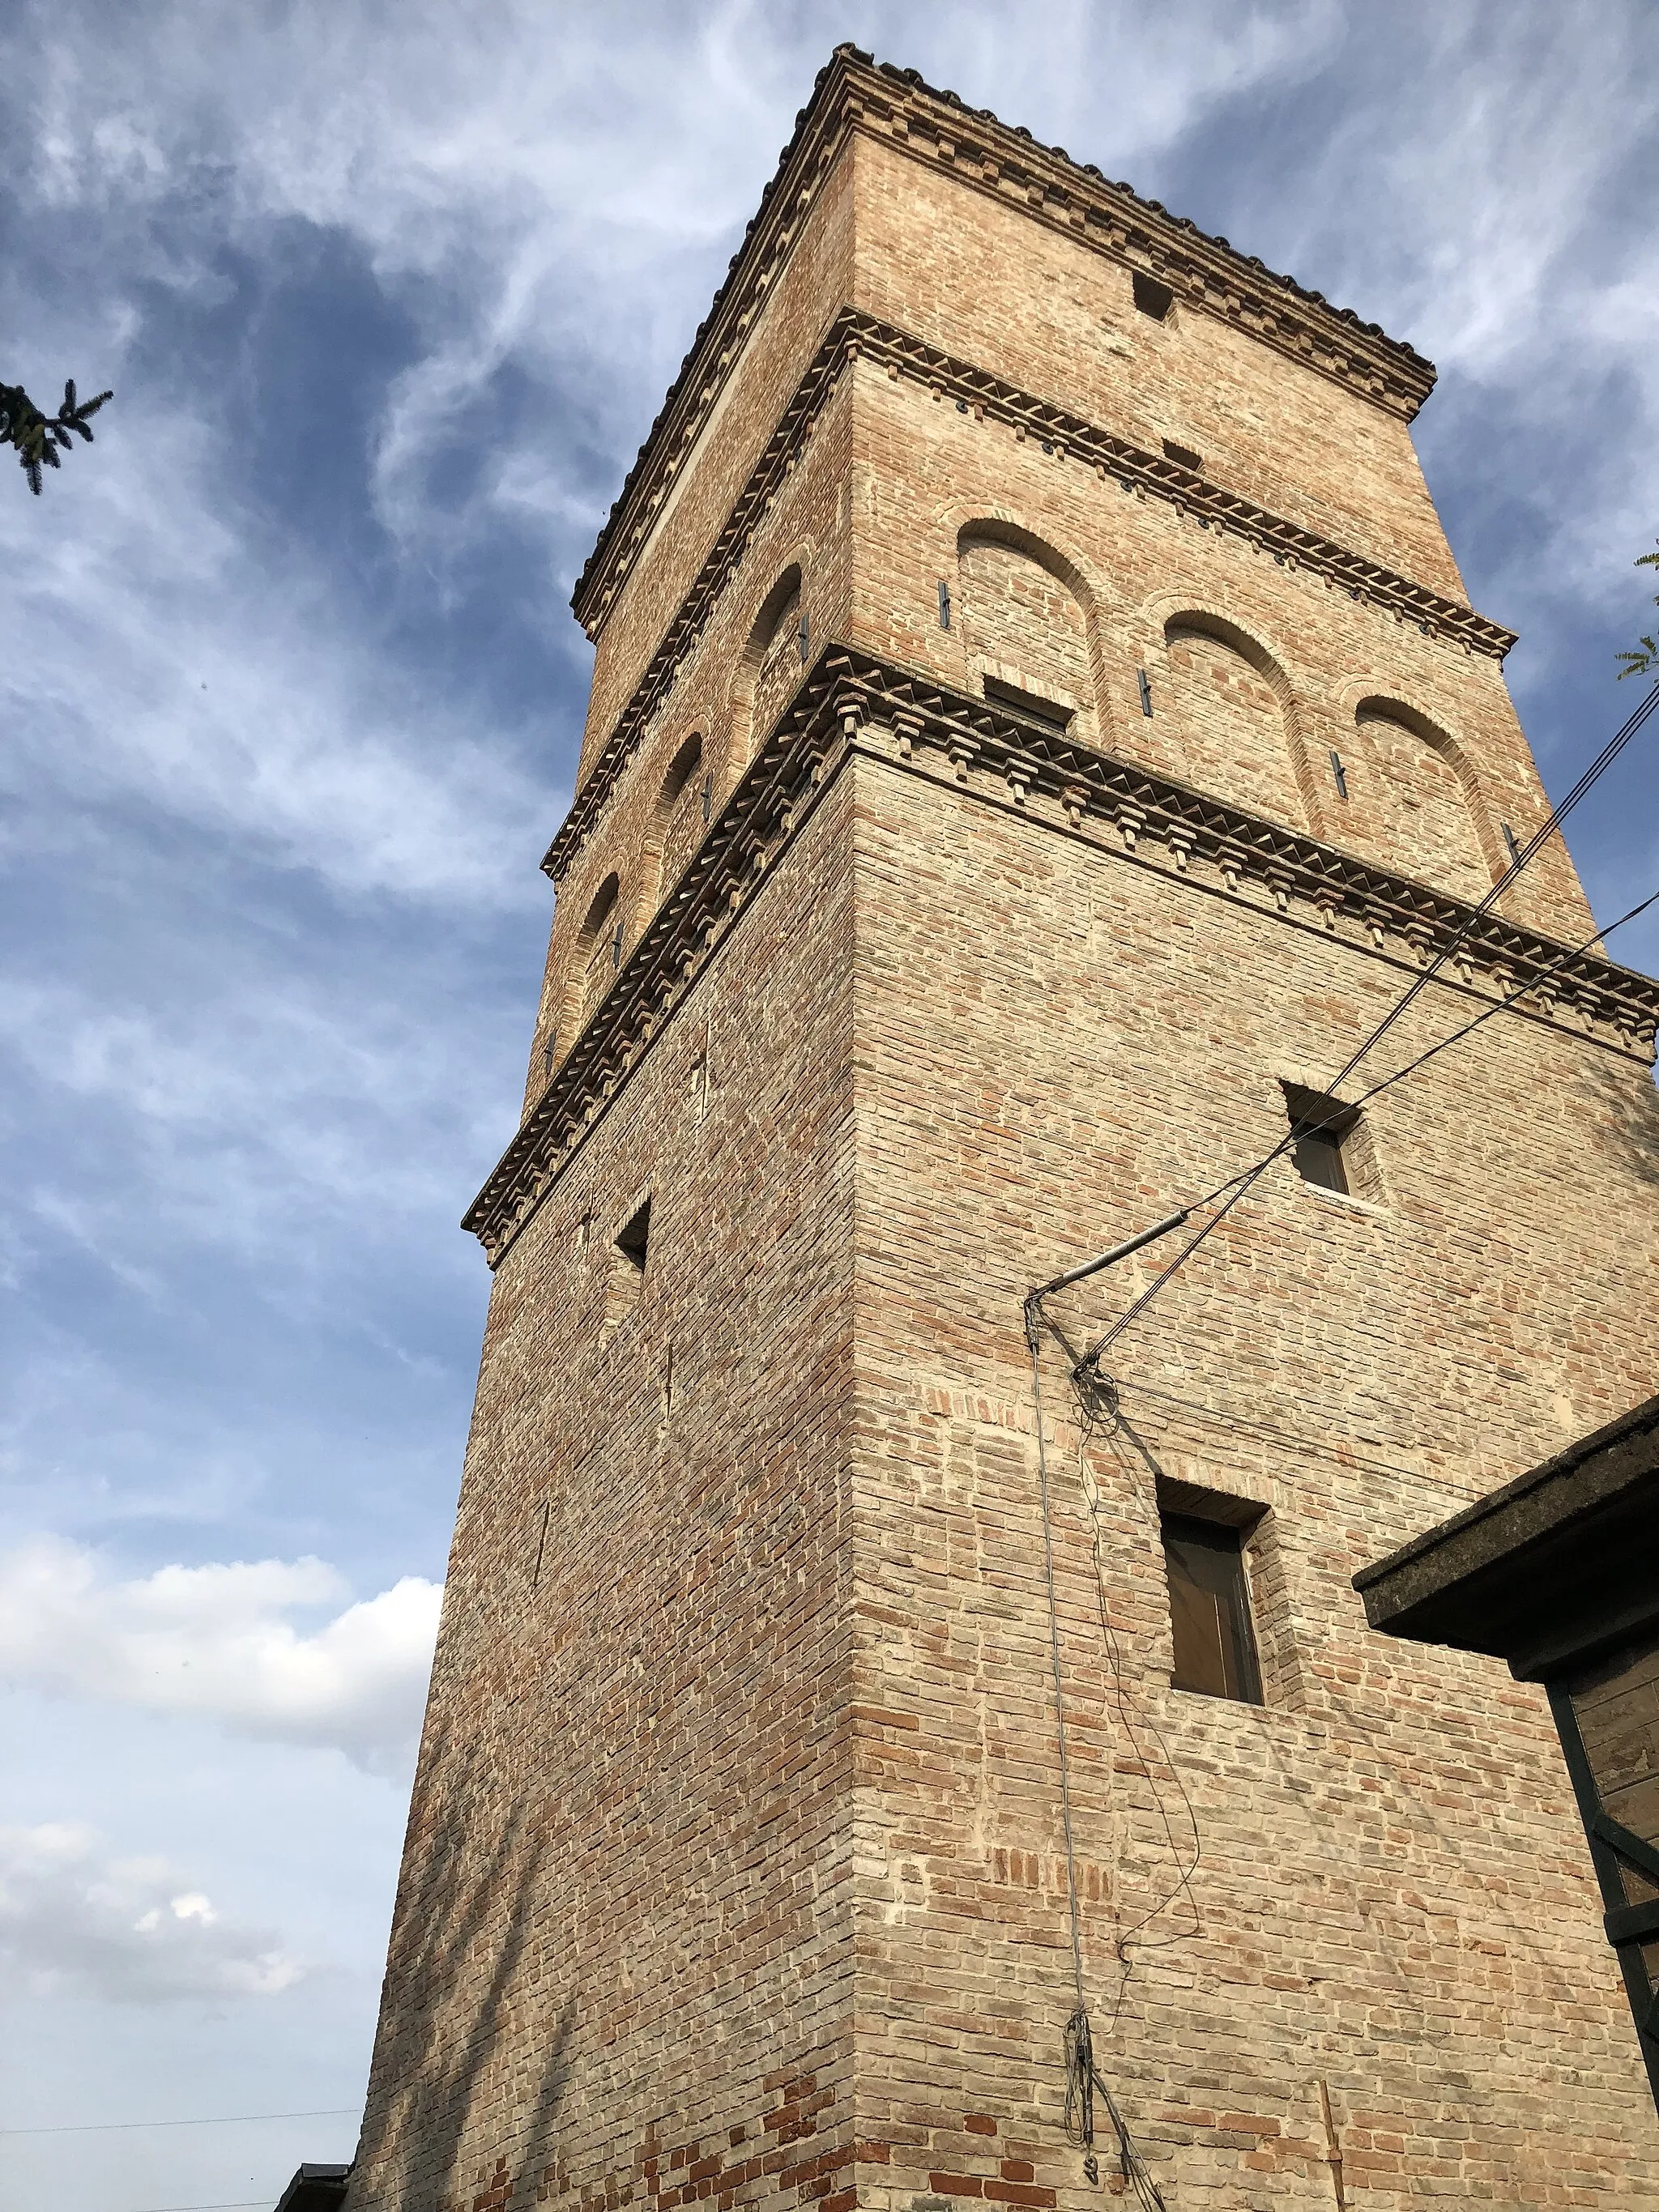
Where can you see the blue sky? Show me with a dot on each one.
(292, 695)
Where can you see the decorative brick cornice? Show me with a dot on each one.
(851, 704)
(1056, 431)
(854, 94)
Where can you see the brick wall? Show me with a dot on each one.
(627, 1861)
(1391, 1893)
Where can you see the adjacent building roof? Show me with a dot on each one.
(314, 2189)
(1562, 1558)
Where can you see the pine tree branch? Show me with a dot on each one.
(37, 437)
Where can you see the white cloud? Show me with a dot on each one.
(1500, 228)
(76, 1921)
(554, 197)
(218, 1642)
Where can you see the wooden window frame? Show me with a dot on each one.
(1204, 1559)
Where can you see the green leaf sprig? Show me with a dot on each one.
(1647, 660)
(37, 437)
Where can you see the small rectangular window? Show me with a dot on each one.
(1210, 1609)
(1322, 1132)
(1152, 298)
(1331, 1144)
(1183, 456)
(1031, 704)
(1319, 1159)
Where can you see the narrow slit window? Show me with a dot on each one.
(1340, 775)
(1215, 1653)
(944, 605)
(1322, 1134)
(1145, 682)
(628, 1249)
(633, 1239)
(1152, 298)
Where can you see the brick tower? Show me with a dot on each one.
(1036, 733)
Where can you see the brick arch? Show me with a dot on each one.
(1001, 526)
(957, 518)
(593, 957)
(769, 667)
(1382, 706)
(1239, 726)
(1421, 771)
(1041, 638)
(679, 814)
(688, 758)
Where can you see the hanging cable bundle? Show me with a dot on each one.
(1082, 2080)
(1083, 2084)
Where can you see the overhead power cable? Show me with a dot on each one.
(1082, 2080)
(221, 2120)
(241, 2204)
(1534, 844)
(1240, 1184)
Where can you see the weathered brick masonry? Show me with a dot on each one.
(736, 1871)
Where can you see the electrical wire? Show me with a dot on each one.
(223, 2120)
(1540, 836)
(1251, 1426)
(1083, 2085)
(1100, 1414)
(242, 2204)
(1034, 1343)
(1096, 1395)
(1184, 1881)
(1240, 1184)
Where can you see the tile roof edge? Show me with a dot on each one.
(846, 62)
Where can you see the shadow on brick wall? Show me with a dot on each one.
(475, 1865)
